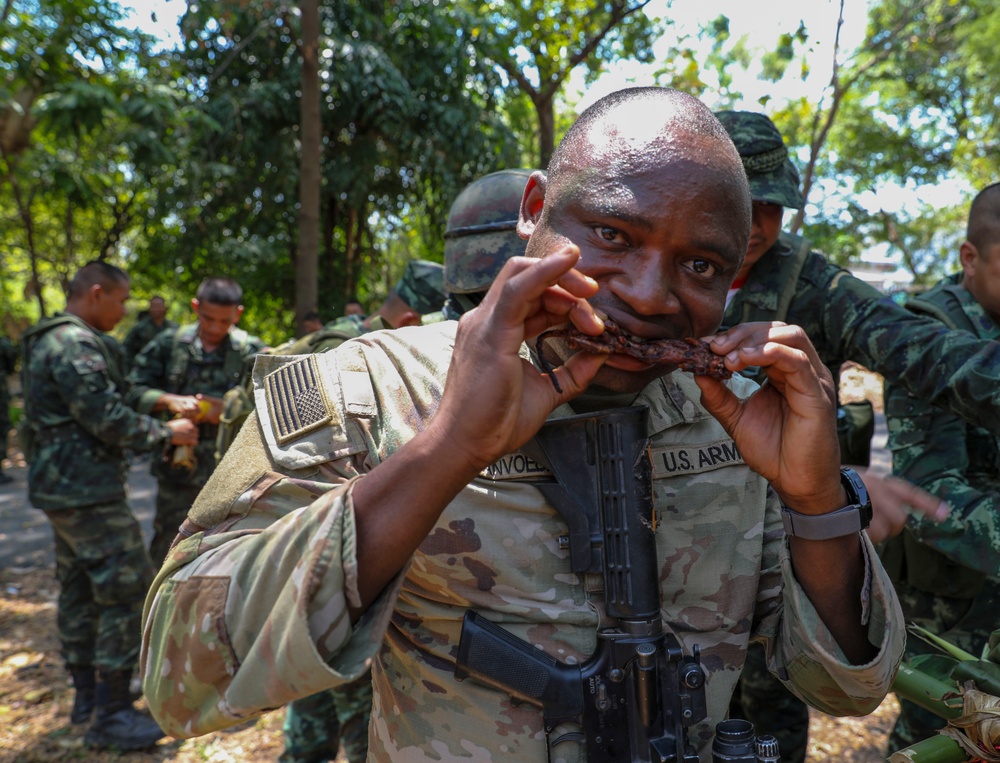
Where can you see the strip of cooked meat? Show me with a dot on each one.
(689, 354)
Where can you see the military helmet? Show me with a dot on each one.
(482, 231)
(773, 178)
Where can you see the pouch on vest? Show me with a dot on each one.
(855, 429)
(908, 560)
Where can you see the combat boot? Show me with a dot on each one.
(118, 724)
(84, 685)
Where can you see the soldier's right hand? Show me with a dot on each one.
(494, 400)
(183, 432)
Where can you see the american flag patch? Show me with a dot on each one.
(296, 400)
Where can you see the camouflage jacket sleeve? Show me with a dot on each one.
(958, 463)
(148, 374)
(847, 319)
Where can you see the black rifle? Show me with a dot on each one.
(636, 695)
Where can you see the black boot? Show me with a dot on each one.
(118, 723)
(84, 683)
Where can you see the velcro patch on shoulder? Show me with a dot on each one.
(297, 401)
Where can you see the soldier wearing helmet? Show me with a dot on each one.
(481, 236)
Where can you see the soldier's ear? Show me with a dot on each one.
(194, 305)
(968, 255)
(532, 203)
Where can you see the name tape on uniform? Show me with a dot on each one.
(684, 459)
(514, 466)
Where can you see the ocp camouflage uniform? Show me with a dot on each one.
(270, 584)
(74, 405)
(175, 361)
(946, 574)
(317, 725)
(845, 319)
(140, 335)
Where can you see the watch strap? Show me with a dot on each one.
(835, 524)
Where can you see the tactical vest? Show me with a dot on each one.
(904, 556)
(789, 269)
(28, 434)
(180, 356)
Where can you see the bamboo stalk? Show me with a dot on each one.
(928, 692)
(936, 749)
(945, 646)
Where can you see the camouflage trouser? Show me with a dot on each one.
(317, 725)
(104, 572)
(763, 700)
(967, 623)
(173, 501)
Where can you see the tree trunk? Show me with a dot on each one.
(310, 126)
(546, 129)
(350, 252)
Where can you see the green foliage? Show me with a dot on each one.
(410, 118)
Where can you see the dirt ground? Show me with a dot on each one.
(35, 696)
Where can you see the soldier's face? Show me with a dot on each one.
(109, 306)
(661, 240)
(157, 309)
(214, 321)
(764, 231)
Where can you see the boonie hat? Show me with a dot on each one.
(773, 178)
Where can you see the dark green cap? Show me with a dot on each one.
(422, 286)
(773, 178)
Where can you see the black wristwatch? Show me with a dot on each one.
(854, 517)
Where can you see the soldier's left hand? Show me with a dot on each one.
(785, 431)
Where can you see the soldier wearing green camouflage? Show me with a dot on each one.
(8, 359)
(77, 426)
(946, 575)
(148, 326)
(204, 359)
(846, 319)
(382, 490)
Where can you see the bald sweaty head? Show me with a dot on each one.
(636, 130)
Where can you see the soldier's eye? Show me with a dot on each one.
(609, 234)
(703, 267)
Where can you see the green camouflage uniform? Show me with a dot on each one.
(79, 423)
(142, 334)
(946, 574)
(176, 362)
(254, 613)
(846, 319)
(8, 359)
